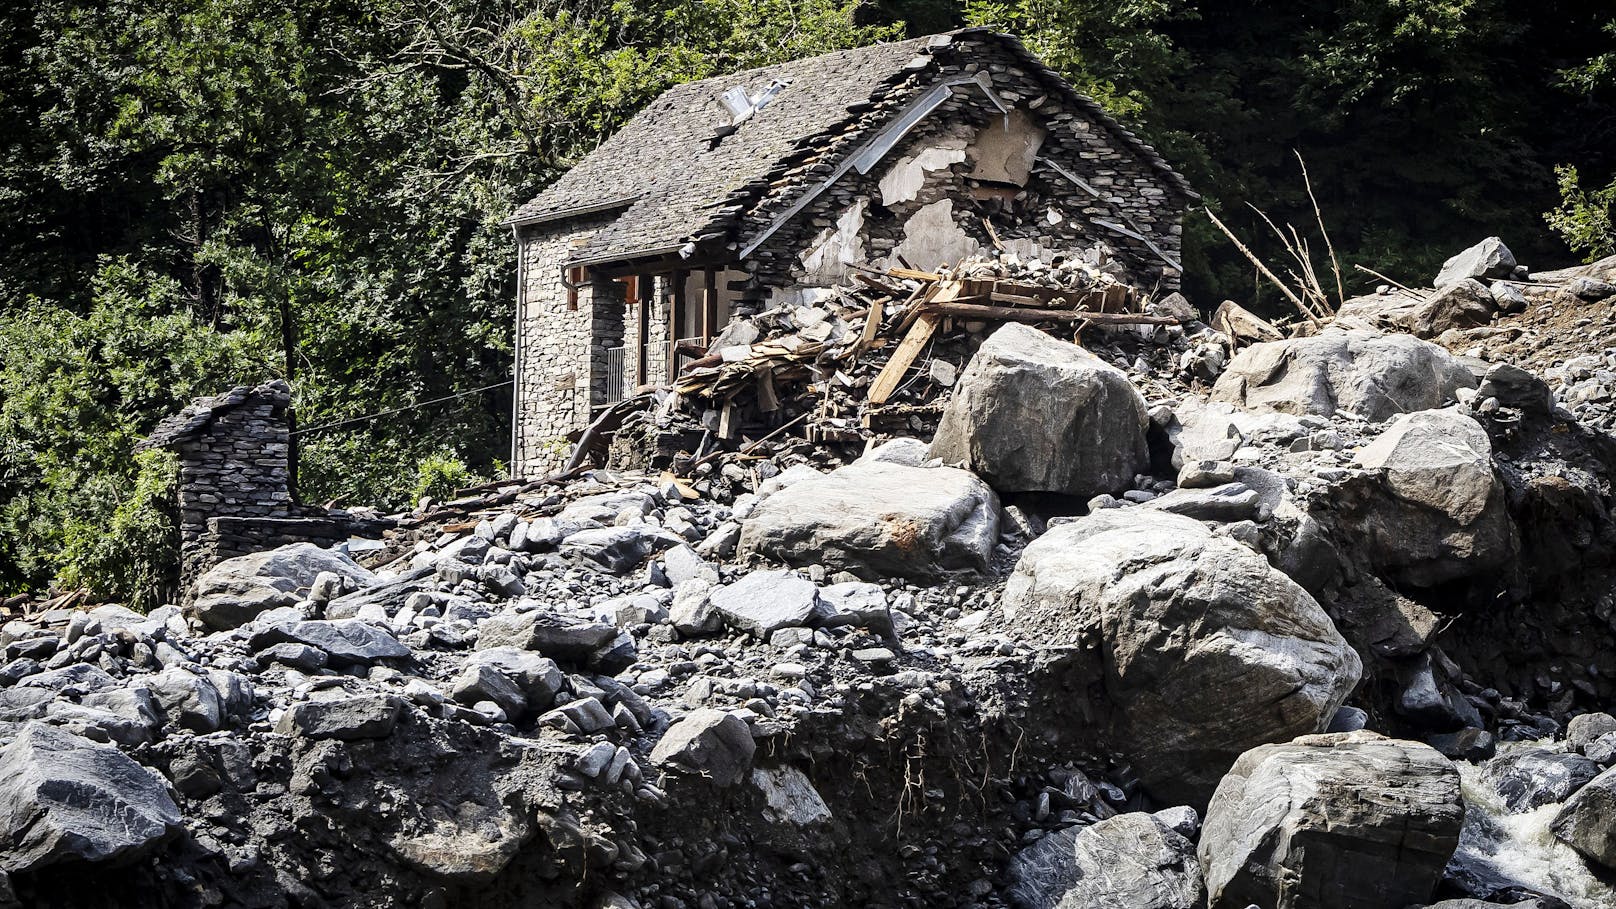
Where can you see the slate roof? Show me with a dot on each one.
(673, 184)
(200, 413)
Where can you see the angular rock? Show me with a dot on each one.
(1033, 413)
(1441, 459)
(618, 550)
(1488, 259)
(537, 677)
(64, 798)
(682, 564)
(1515, 387)
(233, 592)
(1528, 778)
(1445, 517)
(1375, 376)
(1201, 649)
(1227, 503)
(1587, 821)
(879, 519)
(1462, 304)
(710, 743)
(765, 601)
(346, 643)
(1586, 728)
(187, 700)
(1134, 860)
(368, 716)
(558, 637)
(482, 682)
(1341, 821)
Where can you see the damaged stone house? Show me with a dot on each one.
(735, 194)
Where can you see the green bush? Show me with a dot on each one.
(1583, 219)
(439, 475)
(133, 555)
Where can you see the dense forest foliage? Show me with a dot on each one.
(199, 193)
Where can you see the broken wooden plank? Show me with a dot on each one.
(1013, 314)
(891, 374)
(913, 274)
(872, 325)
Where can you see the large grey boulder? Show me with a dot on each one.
(1441, 459)
(1199, 648)
(1131, 860)
(879, 519)
(233, 592)
(763, 602)
(1587, 821)
(710, 743)
(1444, 516)
(1032, 413)
(1488, 259)
(1341, 821)
(1462, 304)
(1375, 376)
(63, 798)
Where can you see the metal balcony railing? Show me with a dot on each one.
(622, 365)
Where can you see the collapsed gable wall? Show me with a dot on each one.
(926, 176)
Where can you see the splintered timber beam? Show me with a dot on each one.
(1019, 314)
(913, 342)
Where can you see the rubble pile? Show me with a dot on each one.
(1242, 620)
(846, 367)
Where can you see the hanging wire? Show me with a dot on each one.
(384, 413)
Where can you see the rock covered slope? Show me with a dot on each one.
(1319, 628)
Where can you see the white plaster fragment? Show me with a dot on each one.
(932, 239)
(827, 260)
(1053, 215)
(904, 179)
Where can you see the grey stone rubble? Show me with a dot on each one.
(1339, 574)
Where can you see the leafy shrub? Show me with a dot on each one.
(439, 475)
(1583, 219)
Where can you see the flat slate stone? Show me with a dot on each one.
(346, 643)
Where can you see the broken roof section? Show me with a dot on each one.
(681, 171)
(197, 416)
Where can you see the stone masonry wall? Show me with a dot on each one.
(233, 497)
(561, 352)
(236, 466)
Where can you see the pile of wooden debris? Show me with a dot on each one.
(879, 355)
